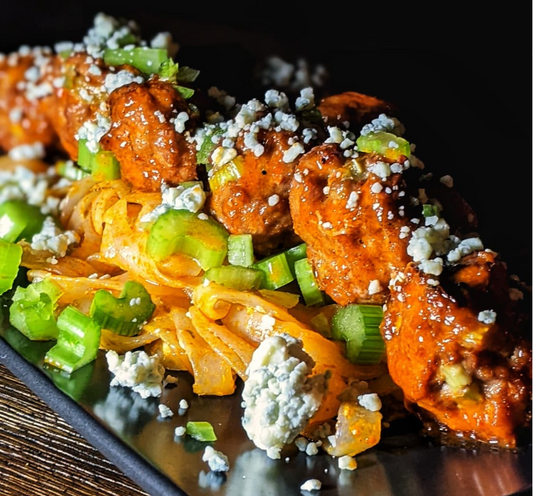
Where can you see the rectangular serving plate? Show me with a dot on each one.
(129, 432)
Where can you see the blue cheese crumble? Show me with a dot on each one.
(217, 461)
(137, 370)
(53, 239)
(191, 197)
(279, 397)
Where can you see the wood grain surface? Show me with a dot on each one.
(41, 455)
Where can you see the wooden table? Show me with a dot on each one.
(41, 455)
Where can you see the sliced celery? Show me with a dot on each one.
(105, 166)
(387, 144)
(206, 148)
(147, 60)
(85, 156)
(235, 277)
(308, 283)
(33, 310)
(240, 250)
(77, 343)
(19, 220)
(231, 171)
(126, 314)
(277, 271)
(294, 254)
(181, 231)
(201, 431)
(10, 258)
(359, 326)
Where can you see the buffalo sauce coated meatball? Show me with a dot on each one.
(352, 222)
(77, 95)
(22, 86)
(352, 107)
(456, 352)
(147, 122)
(257, 202)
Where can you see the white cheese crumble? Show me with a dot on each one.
(370, 401)
(179, 122)
(306, 100)
(273, 200)
(27, 152)
(217, 461)
(53, 239)
(183, 404)
(374, 287)
(190, 198)
(347, 463)
(384, 123)
(352, 200)
(279, 397)
(164, 411)
(92, 131)
(487, 317)
(137, 370)
(180, 431)
(292, 153)
(311, 485)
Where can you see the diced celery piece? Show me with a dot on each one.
(308, 283)
(181, 231)
(359, 326)
(277, 271)
(294, 254)
(105, 166)
(235, 277)
(240, 250)
(77, 343)
(126, 314)
(201, 431)
(10, 258)
(19, 220)
(387, 144)
(231, 171)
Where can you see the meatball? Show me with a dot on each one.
(454, 351)
(257, 202)
(351, 221)
(144, 138)
(21, 87)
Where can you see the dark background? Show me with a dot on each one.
(461, 78)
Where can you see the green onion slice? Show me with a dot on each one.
(126, 314)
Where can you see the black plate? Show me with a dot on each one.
(127, 430)
(468, 109)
